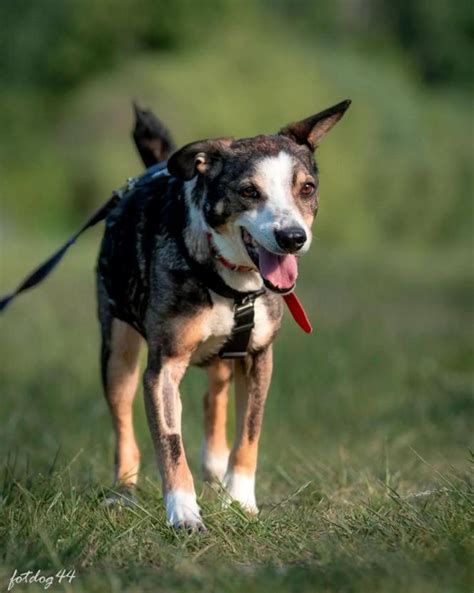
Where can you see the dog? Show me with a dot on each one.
(195, 262)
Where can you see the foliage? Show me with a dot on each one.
(397, 169)
(436, 36)
(57, 45)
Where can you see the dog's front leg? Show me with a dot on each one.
(163, 407)
(252, 380)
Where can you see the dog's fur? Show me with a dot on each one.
(242, 193)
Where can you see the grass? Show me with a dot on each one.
(364, 476)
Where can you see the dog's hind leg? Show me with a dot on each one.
(252, 380)
(215, 451)
(120, 372)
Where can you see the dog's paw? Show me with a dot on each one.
(240, 488)
(182, 511)
(213, 465)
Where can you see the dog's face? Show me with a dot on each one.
(259, 196)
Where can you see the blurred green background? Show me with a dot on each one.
(398, 172)
(387, 376)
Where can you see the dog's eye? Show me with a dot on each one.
(249, 191)
(308, 189)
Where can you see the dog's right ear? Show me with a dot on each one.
(203, 156)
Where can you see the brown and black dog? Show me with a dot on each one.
(222, 222)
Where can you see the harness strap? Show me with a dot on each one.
(244, 321)
(244, 304)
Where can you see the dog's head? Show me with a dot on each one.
(259, 196)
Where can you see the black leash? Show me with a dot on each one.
(48, 266)
(42, 271)
(244, 302)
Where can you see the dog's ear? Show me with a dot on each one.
(202, 157)
(311, 131)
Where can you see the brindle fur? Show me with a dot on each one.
(148, 289)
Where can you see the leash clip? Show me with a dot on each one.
(131, 183)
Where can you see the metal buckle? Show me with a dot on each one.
(243, 308)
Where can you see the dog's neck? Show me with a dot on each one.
(228, 245)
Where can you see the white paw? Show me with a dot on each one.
(182, 510)
(241, 488)
(213, 465)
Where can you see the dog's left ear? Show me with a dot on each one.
(202, 157)
(311, 131)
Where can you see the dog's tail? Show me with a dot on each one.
(155, 144)
(152, 139)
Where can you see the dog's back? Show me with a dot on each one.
(143, 227)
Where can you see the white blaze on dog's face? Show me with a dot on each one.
(277, 179)
(258, 196)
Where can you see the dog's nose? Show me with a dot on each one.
(291, 239)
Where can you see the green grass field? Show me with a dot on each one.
(364, 476)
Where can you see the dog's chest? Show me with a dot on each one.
(218, 324)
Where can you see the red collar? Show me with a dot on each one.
(292, 301)
(225, 262)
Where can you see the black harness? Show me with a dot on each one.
(244, 305)
(244, 302)
(244, 321)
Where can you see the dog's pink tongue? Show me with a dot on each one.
(280, 270)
